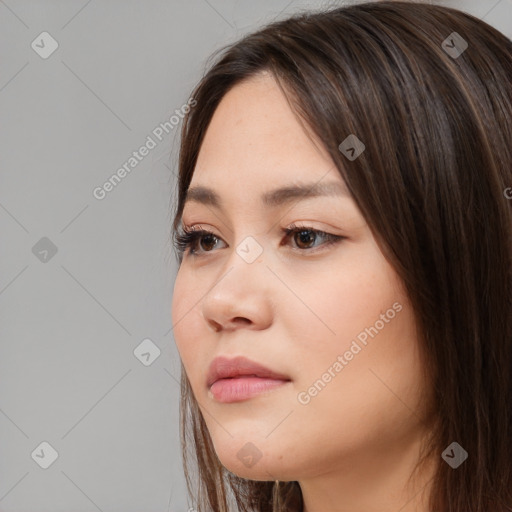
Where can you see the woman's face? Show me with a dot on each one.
(331, 318)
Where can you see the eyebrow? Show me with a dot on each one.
(273, 198)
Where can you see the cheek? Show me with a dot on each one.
(363, 315)
(371, 401)
(178, 310)
(332, 303)
(186, 321)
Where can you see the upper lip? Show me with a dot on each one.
(223, 367)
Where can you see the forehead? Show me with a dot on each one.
(255, 143)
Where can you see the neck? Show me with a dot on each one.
(377, 481)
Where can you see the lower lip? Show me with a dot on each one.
(242, 388)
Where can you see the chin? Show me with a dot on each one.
(253, 461)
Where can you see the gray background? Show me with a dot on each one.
(71, 321)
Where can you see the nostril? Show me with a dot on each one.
(241, 319)
(215, 325)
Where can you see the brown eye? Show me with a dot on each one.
(191, 238)
(304, 238)
(207, 242)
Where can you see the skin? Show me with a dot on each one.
(353, 446)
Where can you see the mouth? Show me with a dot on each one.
(237, 379)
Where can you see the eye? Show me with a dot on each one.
(189, 238)
(304, 237)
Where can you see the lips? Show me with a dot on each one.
(239, 379)
(226, 368)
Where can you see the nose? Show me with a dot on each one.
(240, 297)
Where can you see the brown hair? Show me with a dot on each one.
(430, 183)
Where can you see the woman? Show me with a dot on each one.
(342, 307)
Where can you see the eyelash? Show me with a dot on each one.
(189, 236)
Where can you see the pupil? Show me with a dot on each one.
(305, 236)
(207, 237)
